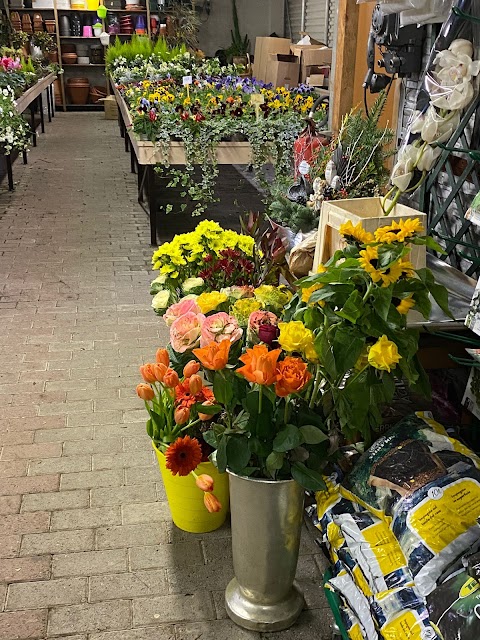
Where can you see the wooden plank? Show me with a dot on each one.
(29, 96)
(345, 53)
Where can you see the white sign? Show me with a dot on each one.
(187, 80)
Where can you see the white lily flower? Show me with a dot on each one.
(461, 46)
(438, 129)
(428, 158)
(402, 172)
(418, 119)
(452, 98)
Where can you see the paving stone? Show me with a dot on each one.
(22, 569)
(30, 451)
(176, 608)
(129, 535)
(9, 546)
(10, 504)
(214, 630)
(3, 596)
(63, 435)
(127, 585)
(86, 518)
(194, 577)
(24, 523)
(167, 555)
(102, 616)
(146, 633)
(41, 484)
(57, 542)
(90, 479)
(59, 465)
(122, 495)
(52, 501)
(89, 563)
(13, 468)
(150, 512)
(33, 423)
(107, 445)
(16, 437)
(120, 460)
(50, 593)
(312, 623)
(142, 475)
(23, 625)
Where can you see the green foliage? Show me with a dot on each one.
(240, 46)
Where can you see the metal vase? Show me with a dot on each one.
(266, 526)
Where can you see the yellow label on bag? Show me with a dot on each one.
(469, 587)
(446, 513)
(355, 632)
(361, 582)
(407, 626)
(385, 547)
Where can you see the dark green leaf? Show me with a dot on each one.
(287, 439)
(382, 299)
(389, 253)
(210, 438)
(222, 389)
(422, 303)
(222, 454)
(347, 347)
(150, 429)
(275, 461)
(308, 478)
(312, 435)
(238, 453)
(353, 307)
(207, 409)
(440, 295)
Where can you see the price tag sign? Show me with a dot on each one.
(257, 99)
(304, 168)
(187, 80)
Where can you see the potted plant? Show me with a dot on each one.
(240, 47)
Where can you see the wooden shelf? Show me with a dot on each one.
(28, 10)
(127, 11)
(83, 65)
(80, 38)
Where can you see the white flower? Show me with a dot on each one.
(461, 46)
(193, 285)
(161, 301)
(161, 279)
(452, 98)
(402, 172)
(437, 128)
(418, 119)
(428, 158)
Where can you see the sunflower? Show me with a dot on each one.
(399, 231)
(307, 292)
(405, 305)
(355, 233)
(393, 273)
(368, 260)
(183, 456)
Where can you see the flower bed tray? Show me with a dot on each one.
(367, 211)
(148, 153)
(30, 94)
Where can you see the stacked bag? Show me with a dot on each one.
(401, 530)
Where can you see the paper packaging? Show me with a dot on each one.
(282, 70)
(311, 56)
(263, 48)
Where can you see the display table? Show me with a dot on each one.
(29, 100)
(145, 155)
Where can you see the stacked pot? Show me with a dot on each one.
(78, 90)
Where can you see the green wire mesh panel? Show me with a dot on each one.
(445, 197)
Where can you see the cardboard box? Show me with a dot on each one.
(111, 109)
(316, 80)
(311, 56)
(283, 70)
(263, 48)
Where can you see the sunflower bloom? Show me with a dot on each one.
(307, 292)
(260, 365)
(355, 232)
(405, 305)
(393, 273)
(399, 231)
(384, 354)
(368, 260)
(183, 456)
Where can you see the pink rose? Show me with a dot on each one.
(256, 320)
(185, 332)
(220, 326)
(179, 309)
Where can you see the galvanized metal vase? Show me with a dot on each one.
(266, 527)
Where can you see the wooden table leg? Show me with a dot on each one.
(49, 106)
(32, 123)
(8, 160)
(42, 118)
(152, 203)
(132, 159)
(24, 155)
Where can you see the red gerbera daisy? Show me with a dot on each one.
(183, 456)
(183, 397)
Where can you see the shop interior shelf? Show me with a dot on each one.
(83, 65)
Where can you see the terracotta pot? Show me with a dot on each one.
(53, 56)
(58, 92)
(78, 90)
(69, 48)
(69, 58)
(96, 93)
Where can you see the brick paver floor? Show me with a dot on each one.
(87, 548)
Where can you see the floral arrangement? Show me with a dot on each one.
(175, 408)
(294, 378)
(14, 131)
(449, 87)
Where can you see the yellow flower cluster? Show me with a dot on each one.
(296, 338)
(399, 231)
(209, 301)
(275, 298)
(368, 260)
(187, 249)
(243, 308)
(384, 354)
(355, 232)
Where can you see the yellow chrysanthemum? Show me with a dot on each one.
(368, 260)
(399, 231)
(405, 305)
(357, 232)
(384, 354)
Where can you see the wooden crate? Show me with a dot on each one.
(111, 109)
(369, 212)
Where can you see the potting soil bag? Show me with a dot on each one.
(372, 545)
(329, 503)
(454, 607)
(426, 486)
(343, 584)
(351, 623)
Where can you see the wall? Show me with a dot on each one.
(256, 18)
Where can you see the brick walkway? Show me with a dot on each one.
(87, 549)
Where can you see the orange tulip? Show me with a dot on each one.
(204, 482)
(159, 370)
(195, 384)
(212, 503)
(206, 416)
(148, 373)
(293, 375)
(170, 379)
(260, 364)
(162, 357)
(215, 355)
(145, 392)
(191, 368)
(181, 415)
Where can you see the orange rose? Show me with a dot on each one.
(171, 379)
(148, 373)
(195, 384)
(293, 375)
(145, 392)
(191, 368)
(212, 503)
(215, 355)
(260, 364)
(181, 415)
(162, 357)
(159, 370)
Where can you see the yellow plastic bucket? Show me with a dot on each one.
(185, 499)
(92, 5)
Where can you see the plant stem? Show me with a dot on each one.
(316, 386)
(260, 398)
(285, 412)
